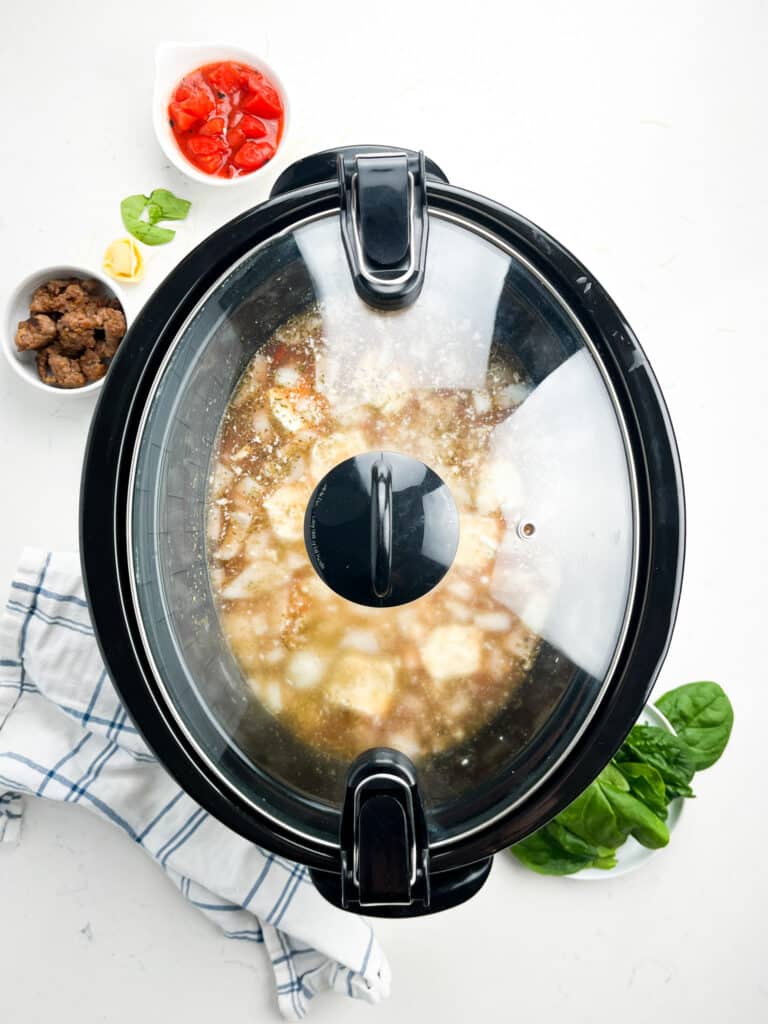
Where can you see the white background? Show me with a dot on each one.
(636, 134)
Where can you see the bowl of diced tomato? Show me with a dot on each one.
(220, 112)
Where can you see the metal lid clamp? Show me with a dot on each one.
(384, 224)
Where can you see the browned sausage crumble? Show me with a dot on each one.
(36, 333)
(74, 329)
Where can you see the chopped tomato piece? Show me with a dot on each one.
(227, 118)
(200, 145)
(251, 79)
(199, 103)
(264, 102)
(181, 119)
(225, 77)
(210, 164)
(253, 155)
(235, 138)
(253, 127)
(214, 126)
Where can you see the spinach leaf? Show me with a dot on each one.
(663, 751)
(591, 818)
(154, 212)
(635, 819)
(607, 811)
(554, 850)
(171, 207)
(702, 717)
(647, 785)
(614, 777)
(632, 793)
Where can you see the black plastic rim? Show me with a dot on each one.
(104, 501)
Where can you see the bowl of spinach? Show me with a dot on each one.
(630, 809)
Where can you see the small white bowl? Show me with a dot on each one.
(631, 855)
(17, 309)
(175, 60)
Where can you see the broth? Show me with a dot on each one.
(342, 677)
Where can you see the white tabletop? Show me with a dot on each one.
(636, 135)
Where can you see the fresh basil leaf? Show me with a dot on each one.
(637, 820)
(663, 751)
(702, 717)
(554, 850)
(160, 205)
(645, 783)
(132, 208)
(172, 208)
(151, 234)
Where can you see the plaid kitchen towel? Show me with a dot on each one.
(64, 735)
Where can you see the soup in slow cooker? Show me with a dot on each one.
(342, 677)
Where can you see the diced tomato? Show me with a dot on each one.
(210, 164)
(182, 120)
(235, 138)
(263, 101)
(208, 153)
(225, 77)
(251, 79)
(199, 103)
(253, 127)
(218, 111)
(213, 126)
(200, 145)
(253, 155)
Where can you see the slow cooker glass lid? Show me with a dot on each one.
(487, 379)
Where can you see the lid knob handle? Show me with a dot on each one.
(381, 528)
(384, 224)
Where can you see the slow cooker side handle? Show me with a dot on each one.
(385, 846)
(384, 225)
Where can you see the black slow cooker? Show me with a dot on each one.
(434, 281)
